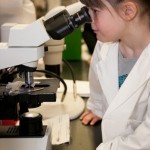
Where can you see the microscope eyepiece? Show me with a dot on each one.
(80, 18)
(63, 23)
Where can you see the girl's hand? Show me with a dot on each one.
(89, 118)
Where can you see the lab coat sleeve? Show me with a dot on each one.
(136, 140)
(96, 102)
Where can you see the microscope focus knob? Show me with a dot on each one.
(30, 124)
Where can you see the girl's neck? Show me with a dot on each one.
(131, 51)
(135, 38)
(133, 45)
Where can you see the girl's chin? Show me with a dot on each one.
(103, 39)
(100, 38)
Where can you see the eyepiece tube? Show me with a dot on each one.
(80, 17)
(63, 24)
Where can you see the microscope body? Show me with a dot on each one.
(25, 47)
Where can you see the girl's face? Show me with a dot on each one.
(106, 23)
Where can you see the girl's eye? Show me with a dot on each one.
(95, 11)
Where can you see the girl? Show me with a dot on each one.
(120, 73)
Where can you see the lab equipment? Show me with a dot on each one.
(24, 48)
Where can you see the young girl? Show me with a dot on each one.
(120, 73)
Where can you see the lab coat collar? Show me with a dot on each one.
(108, 74)
(107, 69)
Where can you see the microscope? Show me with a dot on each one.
(23, 50)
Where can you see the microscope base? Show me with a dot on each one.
(70, 105)
(26, 143)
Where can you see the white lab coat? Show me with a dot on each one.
(125, 111)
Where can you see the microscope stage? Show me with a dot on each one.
(30, 99)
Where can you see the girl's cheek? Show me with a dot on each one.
(95, 24)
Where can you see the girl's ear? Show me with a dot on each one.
(128, 10)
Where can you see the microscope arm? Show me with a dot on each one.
(12, 56)
(31, 35)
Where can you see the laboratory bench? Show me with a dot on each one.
(82, 137)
